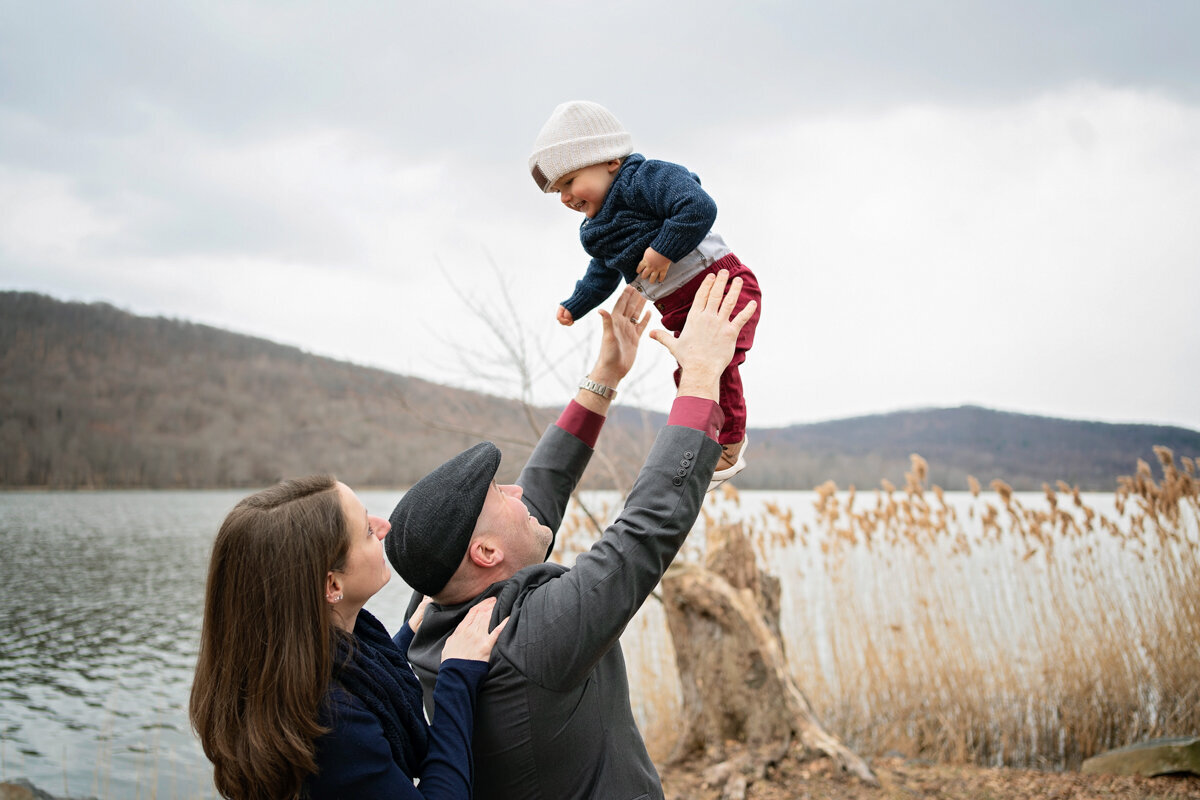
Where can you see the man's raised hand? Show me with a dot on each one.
(705, 345)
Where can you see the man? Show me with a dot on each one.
(554, 719)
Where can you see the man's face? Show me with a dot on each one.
(523, 539)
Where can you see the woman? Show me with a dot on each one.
(299, 692)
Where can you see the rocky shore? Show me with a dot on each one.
(801, 777)
(21, 789)
(903, 778)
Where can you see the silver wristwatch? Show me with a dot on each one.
(607, 392)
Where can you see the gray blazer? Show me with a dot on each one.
(553, 719)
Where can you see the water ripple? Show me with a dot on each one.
(98, 636)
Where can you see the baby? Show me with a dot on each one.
(650, 223)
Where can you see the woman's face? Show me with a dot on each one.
(366, 570)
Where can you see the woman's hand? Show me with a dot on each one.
(418, 614)
(471, 639)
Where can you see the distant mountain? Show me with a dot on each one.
(92, 396)
(1022, 450)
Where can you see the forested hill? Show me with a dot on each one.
(91, 396)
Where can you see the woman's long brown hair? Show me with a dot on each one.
(267, 641)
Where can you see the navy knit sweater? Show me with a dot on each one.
(650, 204)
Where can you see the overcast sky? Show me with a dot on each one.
(945, 202)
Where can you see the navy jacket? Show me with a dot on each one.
(354, 760)
(650, 204)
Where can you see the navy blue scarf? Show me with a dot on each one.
(378, 674)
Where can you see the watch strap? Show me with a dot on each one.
(607, 392)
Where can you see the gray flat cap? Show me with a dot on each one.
(432, 524)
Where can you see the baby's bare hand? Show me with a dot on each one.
(653, 266)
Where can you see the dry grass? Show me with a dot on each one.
(997, 629)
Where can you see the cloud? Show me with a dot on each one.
(1016, 254)
(999, 216)
(42, 218)
(1029, 256)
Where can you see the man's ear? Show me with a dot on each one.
(484, 553)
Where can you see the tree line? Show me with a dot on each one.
(94, 397)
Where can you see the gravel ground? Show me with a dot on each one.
(909, 779)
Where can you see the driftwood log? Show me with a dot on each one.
(1149, 758)
(741, 707)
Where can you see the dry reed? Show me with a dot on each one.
(1016, 630)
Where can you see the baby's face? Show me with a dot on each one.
(584, 189)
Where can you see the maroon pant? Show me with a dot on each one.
(674, 310)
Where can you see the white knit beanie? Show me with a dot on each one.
(578, 134)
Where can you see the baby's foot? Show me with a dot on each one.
(729, 454)
(731, 463)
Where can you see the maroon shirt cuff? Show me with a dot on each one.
(581, 423)
(695, 412)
